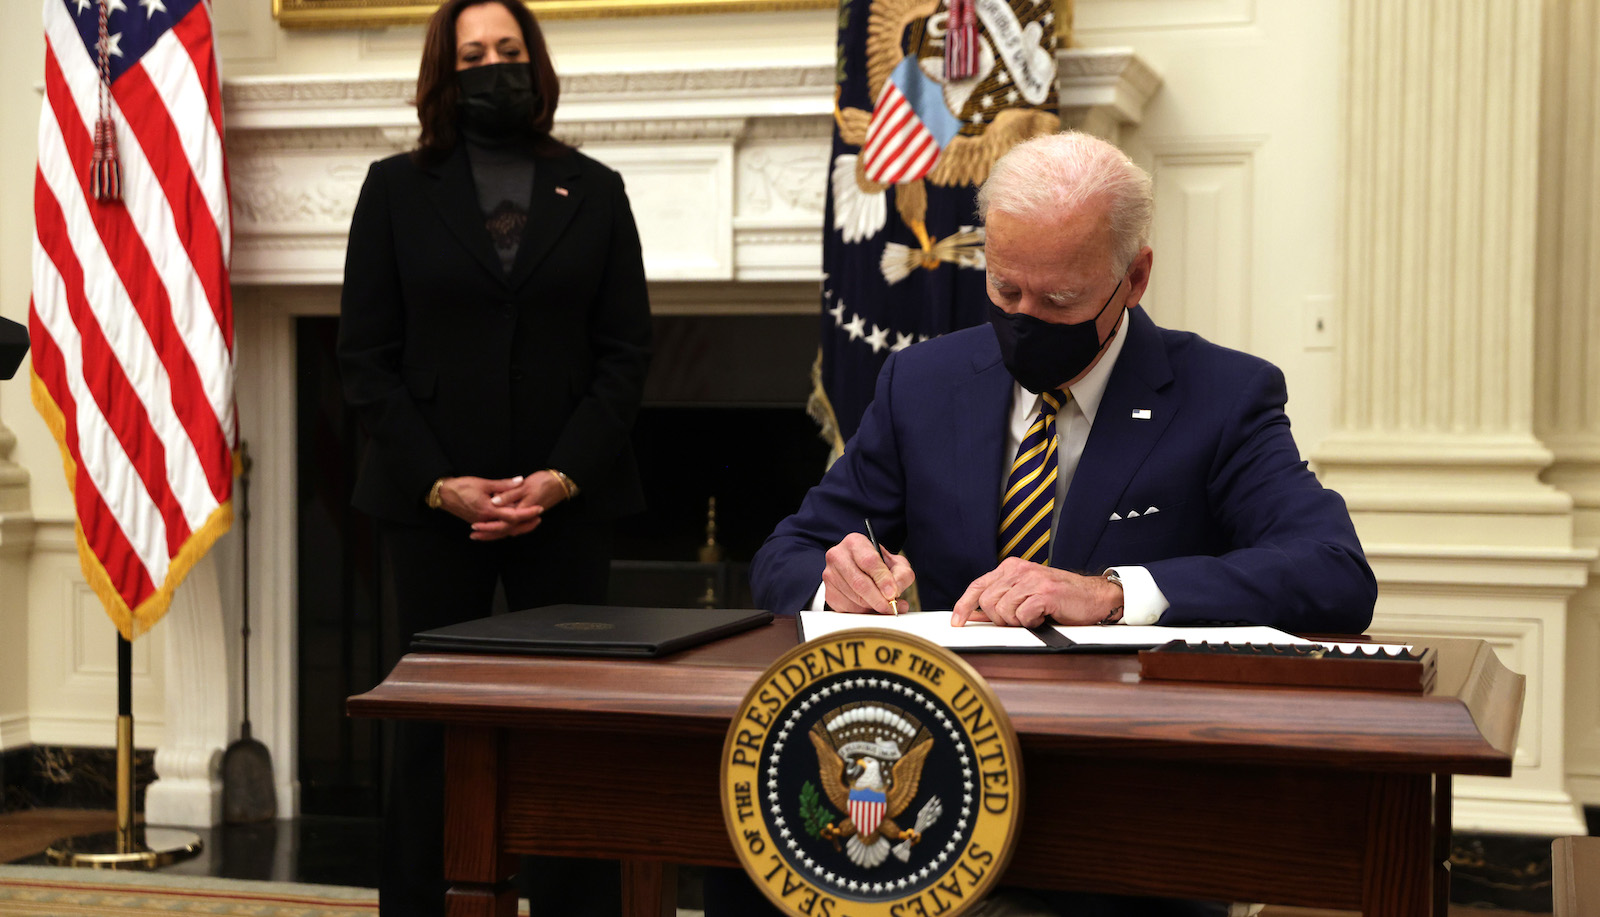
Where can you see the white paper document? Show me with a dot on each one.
(933, 626)
(1156, 634)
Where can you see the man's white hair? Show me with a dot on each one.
(1046, 177)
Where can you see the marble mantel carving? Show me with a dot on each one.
(726, 168)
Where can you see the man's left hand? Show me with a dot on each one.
(1020, 593)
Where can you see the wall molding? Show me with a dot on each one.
(16, 731)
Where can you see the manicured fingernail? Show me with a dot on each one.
(517, 479)
(495, 500)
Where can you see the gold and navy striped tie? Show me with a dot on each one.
(1030, 495)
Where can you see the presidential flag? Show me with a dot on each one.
(929, 95)
(131, 314)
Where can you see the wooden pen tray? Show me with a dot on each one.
(1408, 671)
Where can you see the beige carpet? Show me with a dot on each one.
(47, 891)
(1455, 911)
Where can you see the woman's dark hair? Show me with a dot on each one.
(437, 92)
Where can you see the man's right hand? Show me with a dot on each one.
(860, 580)
(472, 500)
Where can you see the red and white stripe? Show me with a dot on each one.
(899, 146)
(866, 815)
(131, 316)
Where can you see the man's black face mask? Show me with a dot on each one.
(1044, 355)
(497, 101)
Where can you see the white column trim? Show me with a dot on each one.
(199, 683)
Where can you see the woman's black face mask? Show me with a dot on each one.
(497, 101)
(1044, 355)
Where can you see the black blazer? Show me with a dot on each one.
(454, 368)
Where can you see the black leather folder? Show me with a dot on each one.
(590, 630)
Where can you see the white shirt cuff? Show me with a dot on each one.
(819, 602)
(1142, 600)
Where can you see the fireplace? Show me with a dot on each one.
(723, 419)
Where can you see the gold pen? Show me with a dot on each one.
(894, 603)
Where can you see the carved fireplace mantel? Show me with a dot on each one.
(726, 168)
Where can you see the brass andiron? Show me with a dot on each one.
(710, 553)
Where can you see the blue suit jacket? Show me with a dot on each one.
(1244, 531)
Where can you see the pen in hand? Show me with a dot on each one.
(894, 603)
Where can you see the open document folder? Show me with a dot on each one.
(975, 636)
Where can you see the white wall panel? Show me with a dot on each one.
(72, 673)
(672, 188)
(1096, 15)
(1204, 237)
(1583, 696)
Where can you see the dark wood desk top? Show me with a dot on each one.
(1071, 704)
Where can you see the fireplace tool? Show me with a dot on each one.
(247, 792)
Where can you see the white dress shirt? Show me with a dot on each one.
(1142, 600)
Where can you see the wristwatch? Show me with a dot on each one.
(1116, 613)
(435, 499)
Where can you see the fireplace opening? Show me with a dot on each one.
(723, 418)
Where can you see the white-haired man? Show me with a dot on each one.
(1072, 461)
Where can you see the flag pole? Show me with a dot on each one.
(132, 845)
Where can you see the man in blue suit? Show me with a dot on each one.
(1072, 461)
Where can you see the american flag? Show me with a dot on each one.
(132, 314)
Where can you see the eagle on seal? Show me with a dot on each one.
(872, 791)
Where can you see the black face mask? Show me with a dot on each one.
(1044, 355)
(497, 102)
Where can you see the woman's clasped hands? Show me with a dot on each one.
(504, 507)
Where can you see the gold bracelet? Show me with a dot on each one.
(565, 482)
(435, 499)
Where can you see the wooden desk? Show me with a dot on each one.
(1312, 797)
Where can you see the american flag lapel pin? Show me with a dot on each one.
(561, 191)
(1141, 413)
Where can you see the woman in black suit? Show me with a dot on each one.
(494, 336)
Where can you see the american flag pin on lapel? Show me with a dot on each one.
(1141, 413)
(561, 191)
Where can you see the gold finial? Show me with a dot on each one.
(711, 552)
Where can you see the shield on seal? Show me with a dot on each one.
(866, 810)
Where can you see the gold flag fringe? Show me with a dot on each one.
(131, 622)
(820, 410)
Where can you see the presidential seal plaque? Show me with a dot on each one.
(872, 774)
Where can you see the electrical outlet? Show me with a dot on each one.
(1318, 331)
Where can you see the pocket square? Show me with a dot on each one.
(1133, 514)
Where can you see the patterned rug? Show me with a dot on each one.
(46, 891)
